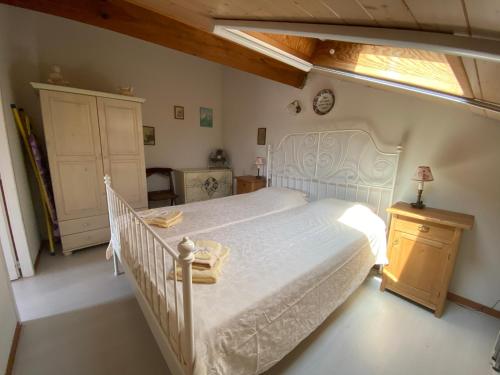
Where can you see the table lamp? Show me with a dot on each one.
(422, 174)
(259, 162)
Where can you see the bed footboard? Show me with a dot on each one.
(151, 264)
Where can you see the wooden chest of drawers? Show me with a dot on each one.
(194, 185)
(422, 248)
(247, 184)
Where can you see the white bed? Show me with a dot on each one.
(287, 270)
(215, 213)
(280, 283)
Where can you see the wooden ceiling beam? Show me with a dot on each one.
(130, 19)
(178, 12)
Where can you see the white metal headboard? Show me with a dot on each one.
(342, 164)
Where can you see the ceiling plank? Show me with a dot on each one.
(390, 13)
(443, 15)
(317, 11)
(484, 17)
(135, 21)
(350, 12)
(418, 68)
(457, 66)
(471, 70)
(490, 87)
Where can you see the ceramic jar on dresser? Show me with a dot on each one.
(89, 134)
(198, 184)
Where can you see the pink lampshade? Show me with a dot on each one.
(259, 160)
(423, 173)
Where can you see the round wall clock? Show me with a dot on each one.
(323, 102)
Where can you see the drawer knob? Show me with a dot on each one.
(423, 228)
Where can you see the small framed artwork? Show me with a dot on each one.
(206, 117)
(261, 136)
(149, 135)
(178, 112)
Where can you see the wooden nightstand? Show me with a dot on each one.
(247, 184)
(422, 249)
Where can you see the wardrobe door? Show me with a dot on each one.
(74, 150)
(120, 123)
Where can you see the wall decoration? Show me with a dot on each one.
(178, 112)
(206, 117)
(149, 135)
(261, 136)
(294, 108)
(323, 102)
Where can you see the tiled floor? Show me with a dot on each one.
(79, 319)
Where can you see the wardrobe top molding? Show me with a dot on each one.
(73, 90)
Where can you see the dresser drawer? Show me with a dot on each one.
(85, 239)
(83, 225)
(197, 193)
(244, 187)
(199, 178)
(423, 229)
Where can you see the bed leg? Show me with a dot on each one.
(116, 265)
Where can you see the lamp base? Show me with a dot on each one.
(419, 205)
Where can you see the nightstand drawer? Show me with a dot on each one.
(423, 229)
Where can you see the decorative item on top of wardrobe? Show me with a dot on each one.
(55, 76)
(126, 90)
(218, 159)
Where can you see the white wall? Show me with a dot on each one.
(8, 315)
(461, 147)
(16, 61)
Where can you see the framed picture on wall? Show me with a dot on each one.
(206, 117)
(261, 136)
(178, 112)
(149, 135)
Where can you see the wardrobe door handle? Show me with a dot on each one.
(423, 228)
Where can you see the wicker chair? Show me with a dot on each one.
(162, 195)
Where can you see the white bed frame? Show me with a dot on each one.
(342, 164)
(345, 164)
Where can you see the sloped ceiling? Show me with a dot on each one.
(195, 19)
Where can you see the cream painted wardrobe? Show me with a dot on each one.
(89, 134)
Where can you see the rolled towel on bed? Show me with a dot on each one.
(207, 253)
(165, 221)
(208, 275)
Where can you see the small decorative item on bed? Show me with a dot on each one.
(422, 174)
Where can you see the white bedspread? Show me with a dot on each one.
(215, 213)
(286, 273)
